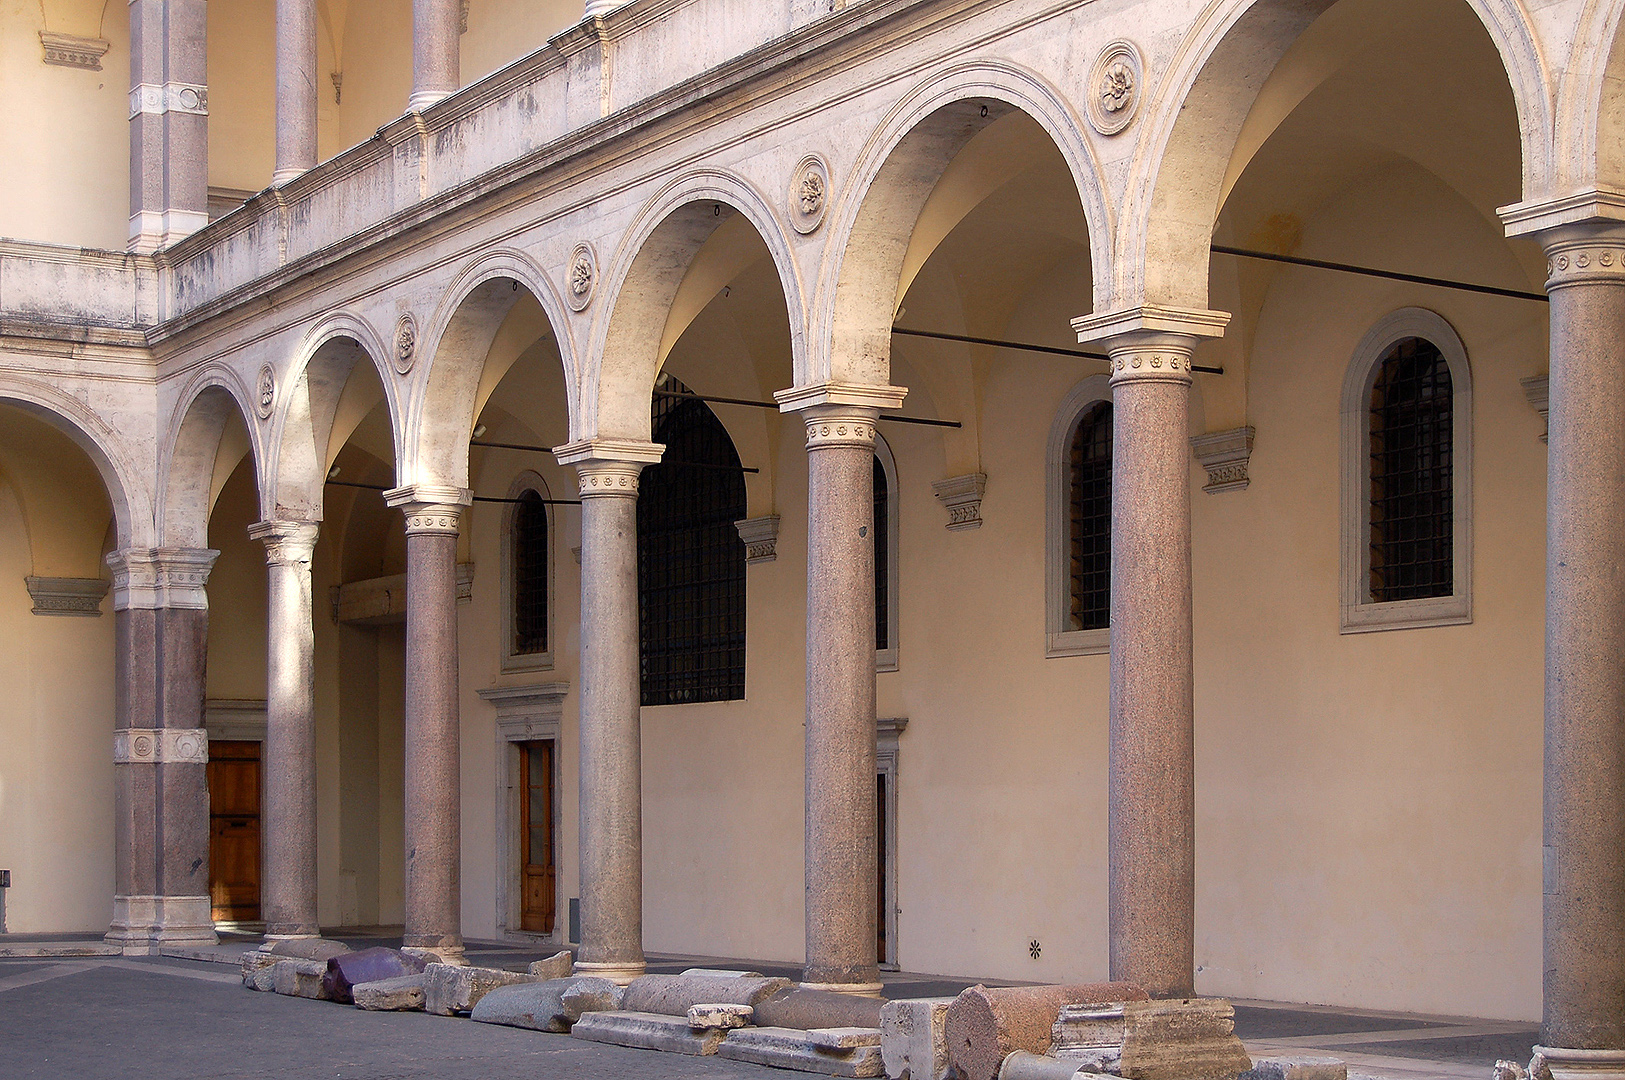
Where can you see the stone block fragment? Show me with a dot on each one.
(561, 965)
(647, 1031)
(1177, 1039)
(720, 1017)
(1024, 1066)
(308, 949)
(390, 995)
(348, 970)
(449, 989)
(984, 1026)
(805, 1051)
(258, 973)
(912, 1041)
(805, 1009)
(1297, 1067)
(674, 995)
(299, 978)
(552, 1005)
(724, 972)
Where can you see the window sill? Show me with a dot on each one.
(527, 662)
(1078, 643)
(885, 660)
(1407, 614)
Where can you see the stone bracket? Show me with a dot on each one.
(66, 50)
(1224, 454)
(161, 746)
(760, 537)
(961, 496)
(68, 596)
(1537, 391)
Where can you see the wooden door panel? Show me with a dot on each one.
(538, 892)
(234, 830)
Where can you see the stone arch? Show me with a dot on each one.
(453, 350)
(1589, 150)
(188, 471)
(873, 222)
(1195, 114)
(639, 292)
(118, 466)
(310, 414)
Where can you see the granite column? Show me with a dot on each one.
(295, 88)
(435, 51)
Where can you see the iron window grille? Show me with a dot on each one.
(1411, 425)
(1090, 519)
(529, 575)
(882, 536)
(691, 562)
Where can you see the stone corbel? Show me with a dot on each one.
(80, 597)
(961, 496)
(66, 50)
(760, 537)
(1536, 391)
(1224, 454)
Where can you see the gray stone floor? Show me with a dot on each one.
(175, 1019)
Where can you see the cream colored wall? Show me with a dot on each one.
(237, 593)
(242, 94)
(56, 719)
(74, 132)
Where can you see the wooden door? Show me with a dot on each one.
(537, 872)
(234, 831)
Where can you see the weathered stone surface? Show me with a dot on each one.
(985, 1025)
(552, 1005)
(795, 1048)
(449, 989)
(843, 1038)
(1179, 1039)
(558, 966)
(390, 995)
(912, 1040)
(647, 1031)
(308, 949)
(260, 975)
(299, 978)
(1297, 1067)
(724, 972)
(720, 1017)
(674, 995)
(1024, 1066)
(348, 970)
(806, 1009)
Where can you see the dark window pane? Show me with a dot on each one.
(882, 558)
(530, 574)
(1090, 526)
(691, 562)
(1411, 473)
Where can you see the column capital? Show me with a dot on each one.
(608, 467)
(832, 427)
(1587, 253)
(431, 509)
(286, 542)
(868, 395)
(147, 579)
(1150, 343)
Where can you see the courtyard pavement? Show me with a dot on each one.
(170, 1018)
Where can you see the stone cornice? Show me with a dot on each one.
(586, 451)
(1150, 319)
(863, 395)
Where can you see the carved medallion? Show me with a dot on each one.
(406, 342)
(267, 390)
(583, 275)
(1114, 87)
(809, 193)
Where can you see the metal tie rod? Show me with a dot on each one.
(545, 450)
(1388, 275)
(477, 498)
(925, 420)
(1025, 347)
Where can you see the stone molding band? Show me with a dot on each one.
(150, 579)
(287, 543)
(161, 746)
(601, 479)
(832, 427)
(155, 99)
(1585, 262)
(1157, 365)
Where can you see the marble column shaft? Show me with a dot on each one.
(169, 121)
(840, 736)
(435, 51)
(288, 817)
(295, 88)
(611, 777)
(1585, 637)
(433, 790)
(160, 749)
(1152, 786)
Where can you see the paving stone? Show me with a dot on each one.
(805, 1009)
(1297, 1067)
(299, 978)
(674, 995)
(721, 1017)
(1176, 1039)
(402, 994)
(561, 965)
(795, 1048)
(553, 1005)
(984, 1025)
(647, 1031)
(449, 989)
(912, 1040)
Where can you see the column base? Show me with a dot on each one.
(855, 989)
(1583, 1064)
(621, 974)
(143, 925)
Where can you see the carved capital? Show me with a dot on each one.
(286, 542)
(598, 478)
(431, 509)
(961, 496)
(760, 537)
(1225, 456)
(147, 579)
(1584, 255)
(1150, 361)
(160, 746)
(834, 427)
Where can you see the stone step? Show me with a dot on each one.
(829, 1051)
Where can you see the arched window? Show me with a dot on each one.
(1078, 550)
(886, 557)
(1407, 446)
(527, 576)
(691, 562)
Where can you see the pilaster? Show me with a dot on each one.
(169, 118)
